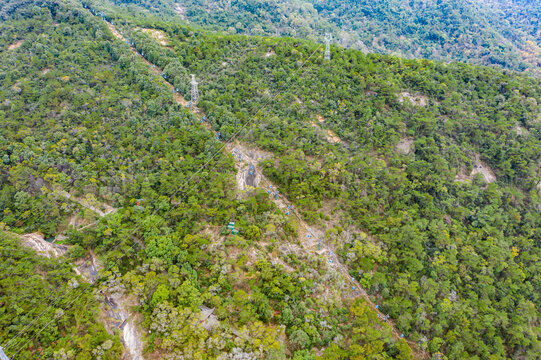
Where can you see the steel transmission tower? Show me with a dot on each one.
(195, 90)
(328, 39)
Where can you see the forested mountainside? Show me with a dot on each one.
(503, 33)
(358, 188)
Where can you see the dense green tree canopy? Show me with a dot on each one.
(423, 178)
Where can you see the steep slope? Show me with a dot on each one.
(28, 285)
(409, 226)
(417, 178)
(75, 128)
(86, 122)
(500, 32)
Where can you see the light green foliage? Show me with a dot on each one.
(420, 226)
(161, 294)
(188, 295)
(454, 263)
(29, 284)
(299, 339)
(499, 32)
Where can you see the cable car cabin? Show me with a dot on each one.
(235, 232)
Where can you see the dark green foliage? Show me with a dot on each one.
(424, 220)
(454, 263)
(499, 32)
(28, 284)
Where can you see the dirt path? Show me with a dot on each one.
(156, 70)
(248, 162)
(87, 203)
(312, 243)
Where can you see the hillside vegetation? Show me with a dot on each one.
(421, 179)
(502, 33)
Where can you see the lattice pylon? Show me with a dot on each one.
(195, 90)
(328, 39)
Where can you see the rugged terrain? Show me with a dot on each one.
(305, 209)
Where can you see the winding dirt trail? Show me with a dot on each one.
(248, 163)
(87, 204)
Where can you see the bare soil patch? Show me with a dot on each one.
(479, 167)
(180, 11)
(520, 130)
(37, 242)
(114, 31)
(116, 314)
(208, 320)
(157, 35)
(329, 134)
(15, 45)
(332, 137)
(246, 160)
(404, 145)
(482, 168)
(417, 100)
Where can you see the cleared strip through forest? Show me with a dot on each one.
(311, 243)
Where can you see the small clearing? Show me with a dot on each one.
(79, 222)
(88, 268)
(116, 315)
(90, 203)
(247, 175)
(269, 54)
(479, 167)
(485, 170)
(208, 320)
(246, 160)
(15, 45)
(521, 131)
(332, 137)
(329, 134)
(370, 94)
(404, 145)
(45, 71)
(157, 35)
(462, 175)
(417, 100)
(180, 11)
